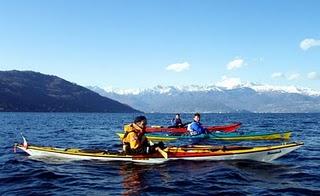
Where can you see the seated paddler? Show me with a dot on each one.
(134, 141)
(176, 122)
(196, 128)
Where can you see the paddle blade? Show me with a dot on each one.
(163, 153)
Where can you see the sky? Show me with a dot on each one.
(141, 44)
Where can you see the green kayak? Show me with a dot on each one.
(234, 136)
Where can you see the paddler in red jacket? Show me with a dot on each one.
(134, 141)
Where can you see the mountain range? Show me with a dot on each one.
(245, 97)
(28, 91)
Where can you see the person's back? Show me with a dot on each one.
(195, 128)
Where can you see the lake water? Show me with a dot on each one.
(297, 173)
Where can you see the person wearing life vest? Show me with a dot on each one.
(176, 122)
(134, 141)
(196, 128)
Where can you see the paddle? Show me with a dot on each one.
(182, 126)
(156, 126)
(162, 152)
(186, 124)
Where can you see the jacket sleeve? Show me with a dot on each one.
(173, 122)
(132, 138)
(195, 127)
(189, 128)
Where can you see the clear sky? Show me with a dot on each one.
(138, 44)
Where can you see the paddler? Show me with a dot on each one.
(176, 122)
(196, 128)
(134, 141)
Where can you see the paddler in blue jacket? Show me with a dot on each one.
(196, 128)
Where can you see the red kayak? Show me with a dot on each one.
(224, 128)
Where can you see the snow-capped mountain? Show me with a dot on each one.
(220, 98)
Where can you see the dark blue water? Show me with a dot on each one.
(297, 173)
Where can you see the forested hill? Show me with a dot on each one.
(28, 91)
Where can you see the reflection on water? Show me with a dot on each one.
(133, 178)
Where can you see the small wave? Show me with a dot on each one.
(48, 175)
(296, 191)
(301, 176)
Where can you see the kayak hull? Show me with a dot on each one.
(224, 128)
(221, 136)
(209, 153)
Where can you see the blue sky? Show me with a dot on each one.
(138, 44)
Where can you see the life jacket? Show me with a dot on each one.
(133, 138)
(196, 128)
(176, 122)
